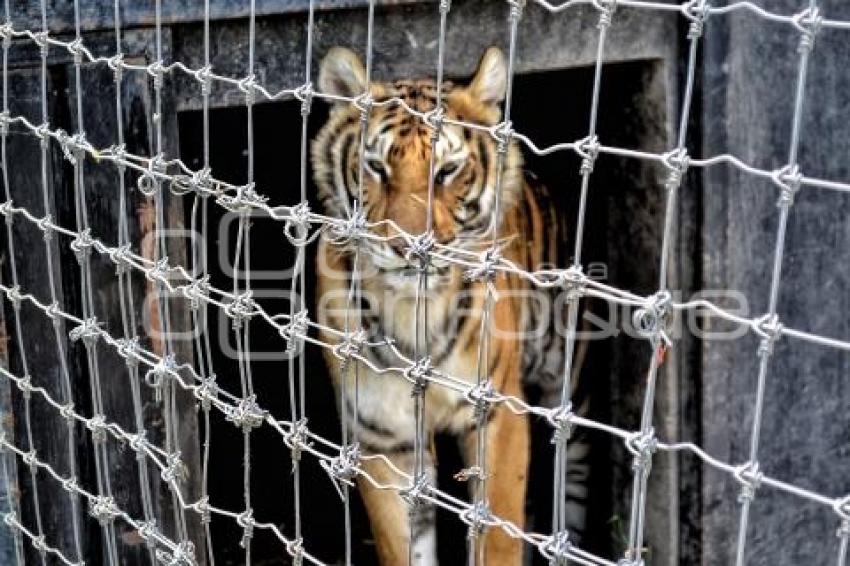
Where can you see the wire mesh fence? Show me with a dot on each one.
(162, 369)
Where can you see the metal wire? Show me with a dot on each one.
(163, 176)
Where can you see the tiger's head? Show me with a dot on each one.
(397, 158)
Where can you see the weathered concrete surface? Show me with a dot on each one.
(750, 71)
(405, 43)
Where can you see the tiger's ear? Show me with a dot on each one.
(342, 73)
(491, 79)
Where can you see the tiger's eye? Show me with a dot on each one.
(444, 172)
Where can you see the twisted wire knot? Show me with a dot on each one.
(65, 145)
(25, 386)
(67, 412)
(89, 331)
(420, 248)
(182, 555)
(364, 103)
(97, 425)
(771, 330)
(159, 272)
(247, 414)
(676, 162)
(434, 119)
(296, 227)
(486, 268)
(248, 86)
(749, 476)
(128, 348)
(588, 149)
(120, 256)
(119, 152)
(197, 291)
(5, 122)
(157, 71)
(139, 442)
(296, 439)
(149, 532)
(295, 329)
(482, 396)
(103, 509)
(8, 212)
(650, 321)
(305, 93)
(351, 229)
(31, 460)
(45, 224)
(147, 181)
(517, 6)
(697, 11)
(574, 281)
(417, 373)
(165, 367)
(478, 517)
(75, 48)
(343, 468)
(295, 548)
(788, 179)
(175, 471)
(503, 133)
(40, 546)
(606, 10)
(71, 485)
(53, 313)
(204, 77)
(82, 244)
(207, 392)
(445, 6)
(41, 40)
(15, 297)
(808, 23)
(116, 64)
(6, 32)
(202, 508)
(245, 200)
(561, 418)
(642, 445)
(413, 494)
(557, 546)
(842, 509)
(240, 308)
(349, 347)
(245, 520)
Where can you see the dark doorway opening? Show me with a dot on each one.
(549, 107)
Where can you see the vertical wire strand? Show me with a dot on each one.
(295, 347)
(170, 420)
(57, 324)
(476, 549)
(87, 300)
(200, 311)
(751, 474)
(353, 322)
(657, 338)
(125, 288)
(420, 319)
(561, 437)
(16, 304)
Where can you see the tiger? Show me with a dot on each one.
(396, 169)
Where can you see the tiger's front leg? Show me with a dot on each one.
(507, 474)
(390, 515)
